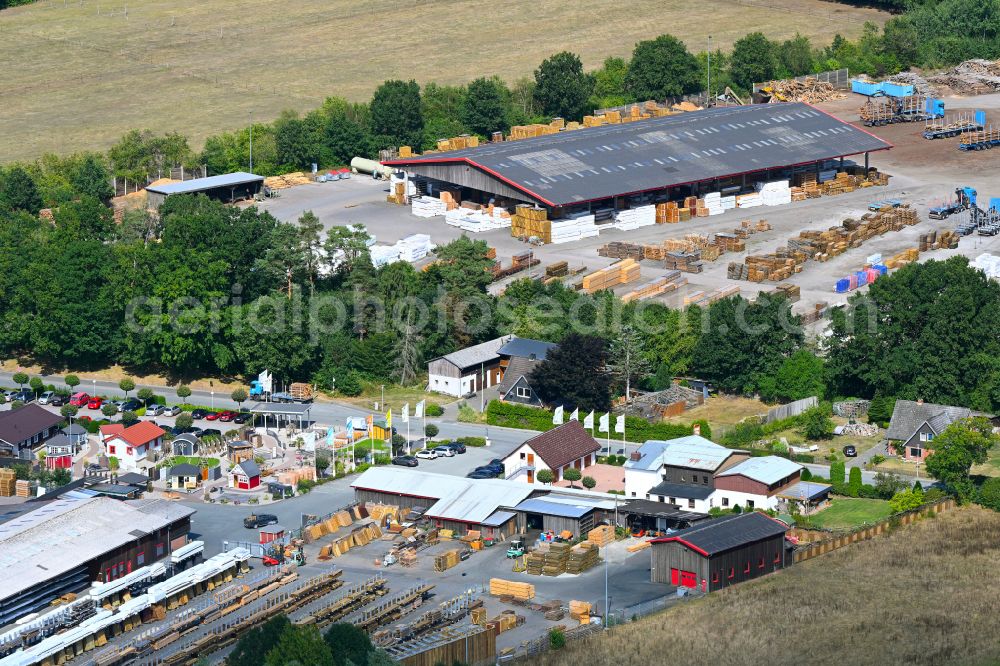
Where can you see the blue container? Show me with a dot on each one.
(865, 87)
(995, 203)
(981, 118)
(843, 285)
(881, 268)
(862, 278)
(897, 89)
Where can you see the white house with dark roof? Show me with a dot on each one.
(467, 370)
(678, 471)
(518, 358)
(915, 424)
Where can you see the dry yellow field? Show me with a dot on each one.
(79, 73)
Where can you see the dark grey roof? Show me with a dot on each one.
(908, 416)
(249, 468)
(681, 490)
(21, 424)
(58, 440)
(601, 162)
(485, 352)
(184, 469)
(518, 367)
(729, 532)
(187, 437)
(75, 429)
(527, 348)
(641, 507)
(133, 479)
(202, 184)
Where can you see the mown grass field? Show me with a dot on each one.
(925, 594)
(79, 73)
(848, 512)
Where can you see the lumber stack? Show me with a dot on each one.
(287, 180)
(662, 285)
(636, 547)
(623, 272)
(358, 537)
(789, 291)
(704, 299)
(688, 262)
(582, 556)
(601, 535)
(509, 588)
(447, 560)
(8, 482)
(531, 222)
(383, 513)
(729, 242)
(506, 621)
(556, 558)
(668, 213)
(23, 488)
(558, 269)
(621, 250)
(902, 258)
(534, 562)
(580, 610)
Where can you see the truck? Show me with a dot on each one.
(965, 199)
(297, 392)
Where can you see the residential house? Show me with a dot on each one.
(915, 424)
(518, 359)
(183, 477)
(77, 435)
(681, 472)
(756, 483)
(132, 446)
(244, 475)
(467, 370)
(22, 429)
(565, 446)
(59, 450)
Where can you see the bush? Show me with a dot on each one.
(589, 482)
(305, 485)
(467, 414)
(361, 452)
(837, 475)
(806, 474)
(736, 509)
(545, 476)
(557, 639)
(475, 442)
(434, 410)
(431, 430)
(906, 500)
(868, 491)
(854, 482)
(816, 423)
(989, 494)
(638, 429)
(382, 459)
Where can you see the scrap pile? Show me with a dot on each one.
(622, 272)
(511, 589)
(287, 180)
(809, 90)
(662, 285)
(972, 77)
(821, 245)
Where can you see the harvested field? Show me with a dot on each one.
(862, 604)
(199, 67)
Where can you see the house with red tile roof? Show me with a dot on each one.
(133, 445)
(559, 449)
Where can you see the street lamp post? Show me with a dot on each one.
(213, 400)
(708, 73)
(251, 142)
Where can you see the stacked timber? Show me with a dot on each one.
(23, 488)
(636, 547)
(662, 285)
(508, 588)
(556, 559)
(582, 556)
(534, 562)
(8, 482)
(558, 269)
(621, 250)
(704, 299)
(287, 180)
(623, 272)
(447, 560)
(580, 611)
(688, 262)
(789, 291)
(729, 243)
(602, 535)
(902, 258)
(531, 222)
(668, 213)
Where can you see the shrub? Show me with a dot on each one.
(476, 442)
(572, 475)
(854, 482)
(533, 418)
(467, 414)
(816, 423)
(431, 430)
(434, 410)
(545, 476)
(989, 494)
(806, 474)
(589, 482)
(382, 459)
(934, 495)
(736, 509)
(906, 500)
(557, 639)
(877, 459)
(361, 452)
(837, 475)
(305, 485)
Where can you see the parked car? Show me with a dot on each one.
(24, 396)
(155, 410)
(196, 431)
(172, 410)
(257, 520)
(57, 400)
(457, 447)
(480, 474)
(850, 451)
(117, 404)
(8, 394)
(199, 413)
(211, 432)
(178, 430)
(46, 397)
(227, 416)
(212, 416)
(84, 418)
(79, 399)
(95, 403)
(445, 451)
(129, 405)
(427, 454)
(242, 417)
(489, 469)
(405, 461)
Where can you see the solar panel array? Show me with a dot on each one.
(596, 163)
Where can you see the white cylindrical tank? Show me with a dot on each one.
(363, 165)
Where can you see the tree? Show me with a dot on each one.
(257, 642)
(310, 236)
(183, 391)
(753, 60)
(109, 409)
(799, 376)
(589, 482)
(906, 500)
(20, 378)
(961, 445)
(989, 493)
(561, 86)
(349, 644)
(407, 353)
(816, 423)
(572, 475)
(19, 192)
(323, 460)
(484, 109)
(239, 395)
(627, 361)
(609, 84)
(837, 473)
(396, 116)
(91, 178)
(545, 476)
(126, 385)
(68, 411)
(184, 420)
(36, 384)
(880, 409)
(349, 384)
(805, 475)
(795, 56)
(431, 430)
(129, 417)
(661, 68)
(347, 247)
(574, 374)
(72, 381)
(854, 482)
(146, 395)
(887, 485)
(60, 477)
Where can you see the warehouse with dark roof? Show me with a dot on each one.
(669, 157)
(718, 553)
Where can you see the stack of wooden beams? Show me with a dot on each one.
(510, 588)
(662, 285)
(789, 291)
(556, 559)
(668, 213)
(622, 250)
(8, 482)
(601, 535)
(582, 557)
(447, 560)
(558, 269)
(704, 299)
(580, 610)
(531, 221)
(623, 272)
(729, 243)
(287, 180)
(688, 262)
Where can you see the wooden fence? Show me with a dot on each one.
(863, 534)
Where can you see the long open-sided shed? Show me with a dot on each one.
(603, 163)
(227, 187)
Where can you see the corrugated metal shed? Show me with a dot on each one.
(210, 183)
(542, 505)
(613, 160)
(766, 469)
(722, 534)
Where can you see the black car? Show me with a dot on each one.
(178, 430)
(257, 520)
(130, 405)
(24, 396)
(457, 447)
(196, 431)
(405, 461)
(242, 417)
(492, 470)
(850, 451)
(199, 413)
(211, 432)
(480, 474)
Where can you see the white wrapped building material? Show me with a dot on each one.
(574, 228)
(428, 207)
(988, 264)
(634, 218)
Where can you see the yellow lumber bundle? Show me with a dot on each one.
(509, 588)
(287, 180)
(601, 535)
(636, 547)
(622, 272)
(528, 221)
(383, 513)
(8, 481)
(447, 560)
(902, 258)
(578, 610)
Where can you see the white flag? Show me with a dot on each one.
(575, 416)
(588, 421)
(557, 416)
(620, 424)
(418, 412)
(405, 417)
(602, 423)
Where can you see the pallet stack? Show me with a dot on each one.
(556, 558)
(621, 250)
(23, 488)
(902, 258)
(508, 588)
(531, 221)
(8, 480)
(447, 560)
(623, 272)
(668, 213)
(601, 535)
(688, 262)
(730, 243)
(582, 557)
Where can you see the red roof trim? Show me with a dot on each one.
(682, 542)
(466, 160)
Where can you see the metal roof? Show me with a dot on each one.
(560, 509)
(805, 490)
(283, 408)
(638, 507)
(527, 348)
(766, 469)
(682, 490)
(202, 184)
(498, 519)
(611, 160)
(692, 451)
(485, 352)
(726, 533)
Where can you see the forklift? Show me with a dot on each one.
(516, 549)
(278, 554)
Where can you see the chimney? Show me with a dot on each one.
(696, 429)
(635, 456)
